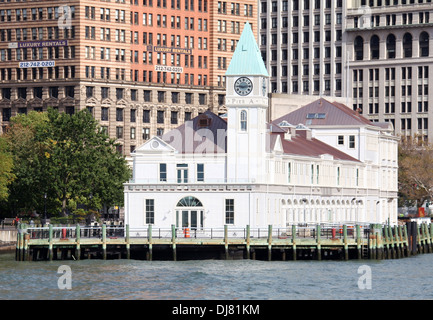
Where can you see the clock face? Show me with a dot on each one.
(243, 86)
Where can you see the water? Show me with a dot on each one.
(406, 279)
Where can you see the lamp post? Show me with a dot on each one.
(45, 208)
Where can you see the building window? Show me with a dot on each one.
(351, 142)
(119, 114)
(160, 116)
(104, 114)
(174, 117)
(200, 172)
(374, 47)
(243, 120)
(146, 116)
(146, 133)
(340, 140)
(119, 132)
(150, 211)
(289, 172)
(424, 44)
(407, 45)
(182, 173)
(162, 172)
(230, 211)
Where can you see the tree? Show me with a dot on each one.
(415, 181)
(25, 193)
(6, 166)
(68, 158)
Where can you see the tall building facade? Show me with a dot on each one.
(391, 63)
(141, 67)
(374, 54)
(302, 45)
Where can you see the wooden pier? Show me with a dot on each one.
(320, 242)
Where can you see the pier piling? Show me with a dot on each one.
(318, 242)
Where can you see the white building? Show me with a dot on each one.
(208, 173)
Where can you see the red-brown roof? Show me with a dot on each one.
(323, 112)
(300, 145)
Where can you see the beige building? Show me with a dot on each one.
(140, 67)
(391, 62)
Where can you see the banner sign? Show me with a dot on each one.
(36, 64)
(38, 44)
(169, 50)
(168, 69)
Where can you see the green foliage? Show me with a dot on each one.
(6, 166)
(66, 157)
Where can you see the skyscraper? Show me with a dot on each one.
(391, 62)
(302, 44)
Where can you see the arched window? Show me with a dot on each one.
(359, 48)
(407, 45)
(189, 202)
(243, 120)
(390, 46)
(424, 44)
(374, 47)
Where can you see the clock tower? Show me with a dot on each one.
(247, 103)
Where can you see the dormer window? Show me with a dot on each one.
(243, 120)
(204, 121)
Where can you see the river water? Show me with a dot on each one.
(409, 278)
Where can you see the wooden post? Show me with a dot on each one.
(379, 244)
(294, 242)
(388, 246)
(173, 241)
(50, 242)
(149, 235)
(17, 253)
(226, 242)
(248, 241)
(426, 239)
(269, 242)
(104, 241)
(26, 246)
(406, 240)
(346, 248)
(128, 249)
(398, 241)
(21, 245)
(414, 238)
(78, 240)
(419, 242)
(431, 235)
(318, 242)
(358, 241)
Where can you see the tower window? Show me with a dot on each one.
(243, 120)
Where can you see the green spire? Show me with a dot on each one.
(247, 59)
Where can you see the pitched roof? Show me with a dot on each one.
(300, 145)
(323, 112)
(247, 59)
(205, 133)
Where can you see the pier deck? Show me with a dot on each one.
(341, 242)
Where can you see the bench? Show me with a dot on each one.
(8, 221)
